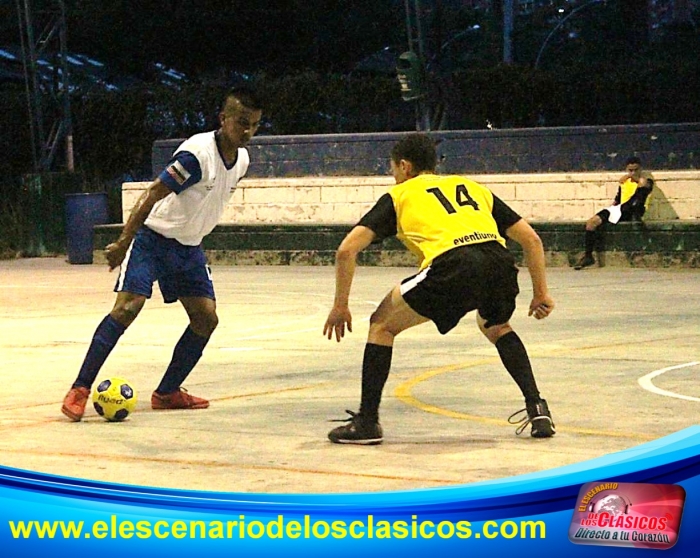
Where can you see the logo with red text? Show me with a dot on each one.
(635, 515)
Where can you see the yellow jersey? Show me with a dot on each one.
(628, 189)
(437, 213)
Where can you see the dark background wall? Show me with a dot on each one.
(527, 150)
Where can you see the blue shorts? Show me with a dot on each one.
(181, 271)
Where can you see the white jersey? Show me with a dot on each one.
(202, 186)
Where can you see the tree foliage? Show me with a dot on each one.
(199, 37)
(597, 68)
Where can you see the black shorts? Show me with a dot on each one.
(480, 277)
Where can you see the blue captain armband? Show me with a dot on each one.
(181, 172)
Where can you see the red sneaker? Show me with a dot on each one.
(74, 403)
(177, 400)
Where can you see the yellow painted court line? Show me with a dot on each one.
(109, 458)
(404, 393)
(60, 418)
(269, 392)
(683, 336)
(251, 394)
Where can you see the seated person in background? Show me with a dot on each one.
(630, 204)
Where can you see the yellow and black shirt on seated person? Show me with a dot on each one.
(431, 214)
(633, 198)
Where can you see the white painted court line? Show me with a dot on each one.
(646, 382)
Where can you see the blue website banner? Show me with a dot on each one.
(42, 514)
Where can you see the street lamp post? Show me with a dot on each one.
(411, 66)
(508, 22)
(415, 74)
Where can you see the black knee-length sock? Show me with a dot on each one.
(591, 240)
(375, 371)
(514, 357)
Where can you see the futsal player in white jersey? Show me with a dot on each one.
(161, 241)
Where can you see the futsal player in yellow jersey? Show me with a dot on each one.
(630, 204)
(457, 228)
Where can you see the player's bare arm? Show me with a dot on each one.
(116, 251)
(345, 262)
(542, 303)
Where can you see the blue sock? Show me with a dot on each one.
(103, 341)
(187, 353)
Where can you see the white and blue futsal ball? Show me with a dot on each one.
(114, 399)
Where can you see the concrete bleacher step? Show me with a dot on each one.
(651, 244)
(646, 244)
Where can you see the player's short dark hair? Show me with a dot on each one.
(247, 96)
(417, 148)
(634, 160)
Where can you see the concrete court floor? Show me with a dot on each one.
(275, 381)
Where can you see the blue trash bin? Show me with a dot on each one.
(83, 212)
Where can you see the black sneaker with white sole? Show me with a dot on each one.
(359, 430)
(536, 414)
